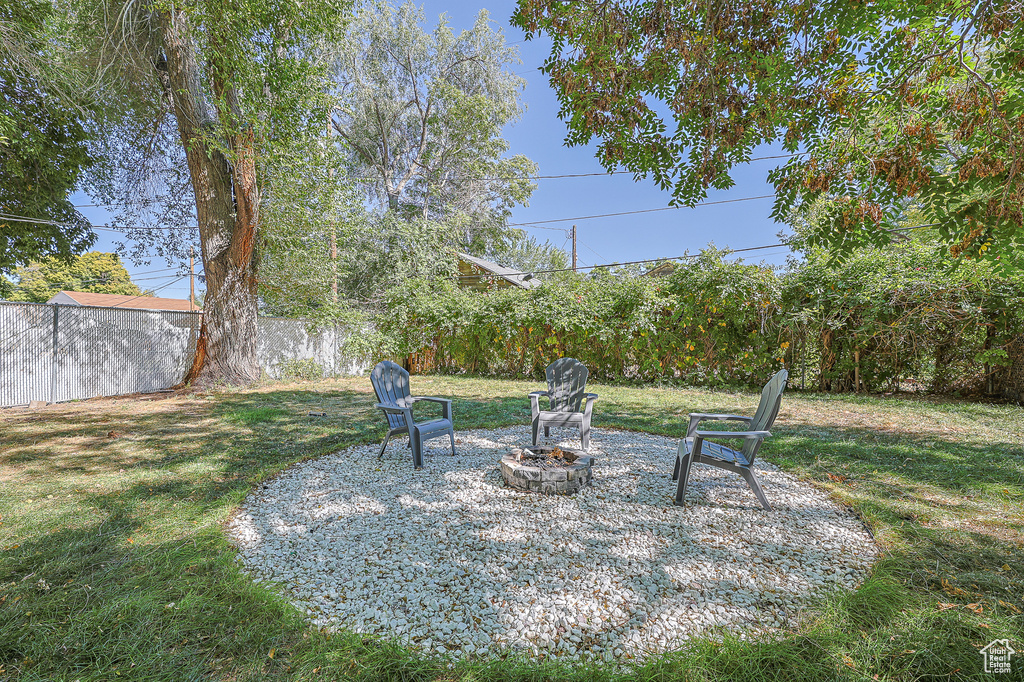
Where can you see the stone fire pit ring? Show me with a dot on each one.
(531, 469)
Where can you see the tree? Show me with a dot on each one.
(241, 81)
(94, 272)
(882, 105)
(525, 254)
(43, 148)
(313, 222)
(324, 255)
(421, 115)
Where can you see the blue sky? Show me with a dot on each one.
(540, 136)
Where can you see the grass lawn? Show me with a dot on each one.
(114, 564)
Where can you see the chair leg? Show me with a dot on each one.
(748, 475)
(684, 461)
(417, 449)
(547, 432)
(585, 436)
(384, 447)
(451, 435)
(535, 425)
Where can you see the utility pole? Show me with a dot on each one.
(334, 226)
(574, 248)
(191, 278)
(334, 261)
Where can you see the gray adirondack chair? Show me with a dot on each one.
(391, 384)
(700, 446)
(567, 382)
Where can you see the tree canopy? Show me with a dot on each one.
(883, 105)
(43, 146)
(421, 115)
(410, 167)
(95, 272)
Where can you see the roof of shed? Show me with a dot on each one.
(85, 298)
(514, 276)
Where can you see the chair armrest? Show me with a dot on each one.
(395, 409)
(417, 398)
(710, 435)
(703, 415)
(589, 407)
(697, 417)
(535, 401)
(446, 404)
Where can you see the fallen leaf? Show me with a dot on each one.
(1009, 606)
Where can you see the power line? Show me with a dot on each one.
(147, 272)
(111, 228)
(561, 176)
(146, 279)
(683, 257)
(636, 262)
(576, 175)
(646, 210)
(37, 221)
(571, 175)
(538, 227)
(535, 223)
(592, 251)
(162, 286)
(132, 277)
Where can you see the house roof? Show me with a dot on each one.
(85, 298)
(514, 276)
(661, 270)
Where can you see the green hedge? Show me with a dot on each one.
(902, 315)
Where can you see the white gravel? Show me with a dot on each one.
(450, 560)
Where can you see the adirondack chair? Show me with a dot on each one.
(700, 446)
(567, 381)
(391, 384)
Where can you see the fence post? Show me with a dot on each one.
(53, 361)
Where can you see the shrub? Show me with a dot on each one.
(302, 370)
(892, 316)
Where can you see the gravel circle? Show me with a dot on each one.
(450, 560)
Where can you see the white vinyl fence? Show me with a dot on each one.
(56, 352)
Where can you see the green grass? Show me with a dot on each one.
(114, 563)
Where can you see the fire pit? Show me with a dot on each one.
(547, 470)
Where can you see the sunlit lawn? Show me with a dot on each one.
(114, 563)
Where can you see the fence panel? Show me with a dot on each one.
(284, 340)
(114, 351)
(26, 353)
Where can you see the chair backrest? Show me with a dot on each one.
(391, 384)
(767, 411)
(567, 382)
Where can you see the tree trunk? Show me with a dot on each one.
(227, 203)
